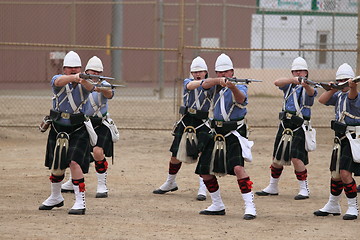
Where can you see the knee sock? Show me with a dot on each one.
(245, 185)
(101, 166)
(174, 168)
(80, 182)
(56, 179)
(336, 187)
(301, 176)
(212, 185)
(350, 189)
(276, 172)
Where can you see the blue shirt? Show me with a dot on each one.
(189, 97)
(65, 105)
(289, 102)
(99, 101)
(352, 106)
(236, 112)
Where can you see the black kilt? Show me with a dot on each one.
(298, 142)
(233, 153)
(104, 138)
(79, 146)
(203, 133)
(346, 159)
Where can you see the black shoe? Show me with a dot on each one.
(300, 197)
(323, 214)
(206, 212)
(67, 191)
(77, 211)
(44, 207)
(101, 195)
(262, 193)
(201, 197)
(249, 217)
(349, 217)
(159, 191)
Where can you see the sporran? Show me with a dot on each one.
(188, 152)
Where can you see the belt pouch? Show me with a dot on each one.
(201, 114)
(297, 121)
(230, 126)
(282, 115)
(183, 110)
(54, 115)
(77, 118)
(96, 121)
(338, 127)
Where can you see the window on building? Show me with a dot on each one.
(322, 39)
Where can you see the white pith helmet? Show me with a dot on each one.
(223, 63)
(94, 64)
(72, 59)
(299, 64)
(345, 71)
(198, 64)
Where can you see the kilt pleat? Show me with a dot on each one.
(79, 146)
(346, 159)
(233, 154)
(203, 133)
(297, 146)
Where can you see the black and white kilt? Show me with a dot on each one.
(233, 153)
(202, 133)
(346, 159)
(79, 146)
(297, 145)
(104, 139)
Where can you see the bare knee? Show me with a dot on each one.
(174, 160)
(240, 172)
(98, 153)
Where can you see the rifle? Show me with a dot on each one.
(324, 85)
(242, 80)
(107, 87)
(91, 77)
(339, 85)
(309, 82)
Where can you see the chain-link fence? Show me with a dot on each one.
(149, 45)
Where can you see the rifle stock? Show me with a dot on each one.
(339, 85)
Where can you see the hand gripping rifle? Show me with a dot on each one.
(98, 79)
(242, 80)
(92, 77)
(339, 85)
(309, 82)
(324, 85)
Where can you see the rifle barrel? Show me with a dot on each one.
(242, 80)
(92, 76)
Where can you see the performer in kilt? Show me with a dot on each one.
(227, 150)
(96, 108)
(192, 130)
(346, 127)
(68, 140)
(290, 139)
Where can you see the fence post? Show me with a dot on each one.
(358, 44)
(180, 57)
(117, 40)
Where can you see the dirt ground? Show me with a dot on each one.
(132, 211)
